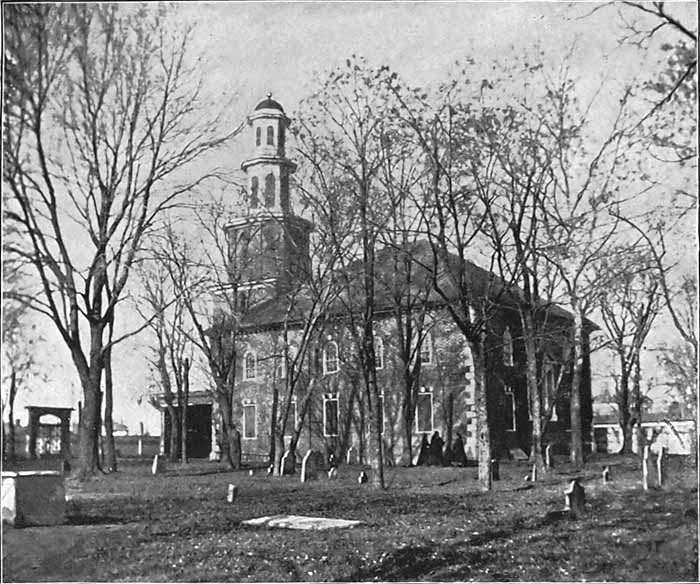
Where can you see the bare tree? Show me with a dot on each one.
(103, 113)
(340, 139)
(576, 223)
(630, 304)
(162, 309)
(454, 222)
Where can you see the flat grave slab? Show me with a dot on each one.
(301, 522)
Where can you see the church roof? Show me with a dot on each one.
(393, 280)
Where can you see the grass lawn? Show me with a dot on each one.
(429, 524)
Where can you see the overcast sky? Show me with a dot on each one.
(251, 48)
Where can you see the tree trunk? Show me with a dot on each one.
(90, 379)
(11, 443)
(232, 436)
(623, 409)
(636, 402)
(482, 417)
(533, 391)
(110, 451)
(575, 402)
(183, 409)
(273, 456)
(174, 415)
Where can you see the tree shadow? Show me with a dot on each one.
(414, 563)
(83, 519)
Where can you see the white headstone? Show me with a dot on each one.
(287, 464)
(140, 447)
(606, 475)
(156, 466)
(548, 456)
(232, 493)
(309, 468)
(575, 498)
(349, 457)
(251, 473)
(333, 473)
(645, 468)
(362, 478)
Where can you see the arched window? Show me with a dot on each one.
(254, 192)
(270, 136)
(507, 348)
(258, 136)
(270, 190)
(250, 365)
(379, 353)
(330, 358)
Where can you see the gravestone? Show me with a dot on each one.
(310, 465)
(33, 498)
(157, 465)
(333, 473)
(495, 470)
(362, 478)
(575, 499)
(332, 462)
(533, 474)
(287, 465)
(349, 455)
(251, 472)
(607, 476)
(270, 469)
(548, 460)
(232, 493)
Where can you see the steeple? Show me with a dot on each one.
(268, 244)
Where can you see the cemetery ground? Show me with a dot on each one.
(429, 524)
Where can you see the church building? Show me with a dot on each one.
(269, 252)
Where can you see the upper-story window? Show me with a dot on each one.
(507, 348)
(270, 190)
(270, 136)
(330, 358)
(250, 365)
(379, 353)
(426, 350)
(258, 135)
(254, 187)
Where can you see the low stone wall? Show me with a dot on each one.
(33, 498)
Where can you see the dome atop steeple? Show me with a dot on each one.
(269, 103)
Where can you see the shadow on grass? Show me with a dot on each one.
(82, 519)
(413, 563)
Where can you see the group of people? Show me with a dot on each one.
(435, 453)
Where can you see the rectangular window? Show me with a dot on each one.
(249, 420)
(509, 411)
(424, 411)
(330, 415)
